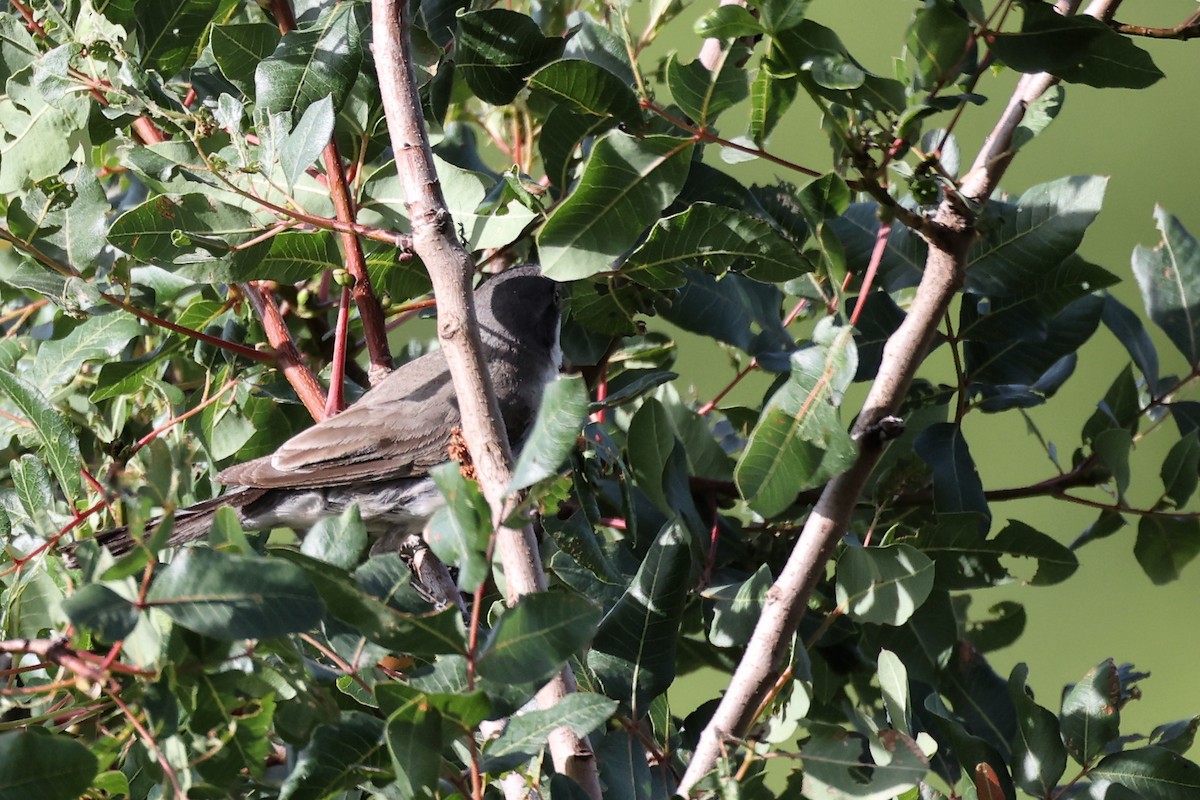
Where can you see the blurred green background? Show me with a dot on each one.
(1146, 142)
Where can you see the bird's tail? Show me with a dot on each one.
(190, 524)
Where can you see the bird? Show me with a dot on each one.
(378, 452)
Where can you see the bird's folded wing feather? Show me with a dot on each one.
(400, 428)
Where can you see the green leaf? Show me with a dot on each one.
(96, 338)
(458, 533)
(414, 739)
(339, 756)
(1039, 758)
(737, 608)
(239, 47)
(96, 607)
(956, 483)
(1169, 278)
(1128, 328)
(1005, 627)
(836, 765)
(58, 443)
(1112, 60)
(306, 141)
(485, 224)
(339, 540)
(1047, 42)
(626, 183)
(650, 442)
(559, 420)
(1165, 545)
(780, 15)
(191, 235)
(294, 257)
(938, 39)
(309, 64)
(883, 585)
(586, 88)
(799, 441)
(1181, 470)
(715, 239)
(728, 22)
(703, 93)
(38, 139)
(771, 94)
(1091, 713)
(170, 31)
(1113, 448)
(1055, 562)
(36, 763)
(367, 608)
(497, 50)
(1038, 116)
(894, 688)
(235, 597)
(828, 70)
(582, 712)
(1152, 773)
(1022, 240)
(633, 654)
(536, 636)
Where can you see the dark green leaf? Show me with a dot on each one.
(937, 39)
(339, 540)
(1113, 447)
(339, 756)
(956, 483)
(309, 64)
(238, 47)
(414, 738)
(536, 636)
(626, 183)
(170, 31)
(1128, 328)
(293, 257)
(829, 70)
(1169, 279)
(1003, 630)
(497, 50)
(1165, 545)
(1108, 523)
(36, 763)
(715, 239)
(1055, 562)
(1047, 42)
(771, 95)
(459, 531)
(368, 611)
(1111, 61)
(526, 733)
(799, 441)
(633, 654)
(58, 443)
(1023, 240)
(883, 585)
(839, 764)
(1181, 469)
(559, 420)
(235, 597)
(737, 608)
(780, 15)
(1039, 758)
(588, 89)
(97, 608)
(1152, 773)
(703, 93)
(191, 235)
(1091, 713)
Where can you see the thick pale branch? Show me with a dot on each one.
(949, 234)
(450, 269)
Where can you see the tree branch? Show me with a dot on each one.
(450, 269)
(949, 234)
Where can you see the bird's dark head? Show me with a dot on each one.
(520, 308)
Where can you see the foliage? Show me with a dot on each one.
(168, 198)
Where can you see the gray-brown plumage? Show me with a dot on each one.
(378, 452)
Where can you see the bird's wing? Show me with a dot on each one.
(400, 428)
